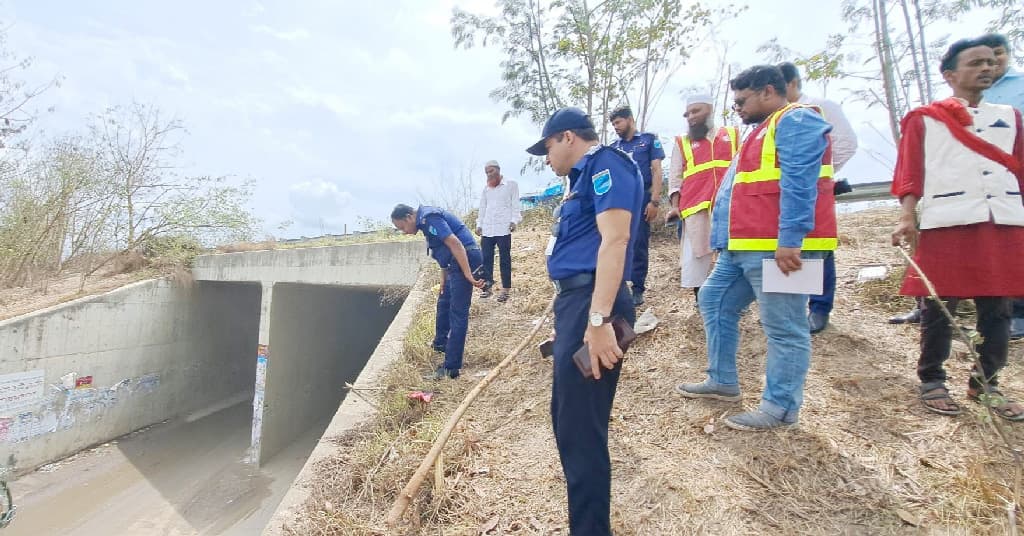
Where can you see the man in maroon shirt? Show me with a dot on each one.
(960, 163)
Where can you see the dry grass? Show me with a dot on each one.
(866, 459)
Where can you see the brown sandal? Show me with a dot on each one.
(1001, 409)
(939, 393)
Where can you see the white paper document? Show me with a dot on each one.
(807, 280)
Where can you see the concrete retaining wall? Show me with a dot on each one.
(96, 368)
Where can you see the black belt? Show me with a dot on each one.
(573, 282)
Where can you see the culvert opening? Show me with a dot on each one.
(187, 475)
(320, 338)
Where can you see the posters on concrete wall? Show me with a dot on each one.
(20, 389)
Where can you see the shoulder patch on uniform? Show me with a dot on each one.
(657, 143)
(602, 182)
(432, 230)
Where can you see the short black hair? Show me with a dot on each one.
(586, 134)
(623, 111)
(789, 72)
(759, 77)
(995, 40)
(402, 212)
(952, 55)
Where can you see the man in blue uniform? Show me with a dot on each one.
(451, 244)
(646, 150)
(589, 256)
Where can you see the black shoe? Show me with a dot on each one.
(817, 321)
(503, 296)
(1016, 328)
(912, 317)
(442, 373)
(638, 298)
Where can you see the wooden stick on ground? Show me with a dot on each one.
(988, 400)
(407, 494)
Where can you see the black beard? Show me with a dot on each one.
(699, 132)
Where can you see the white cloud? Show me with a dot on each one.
(319, 205)
(339, 104)
(297, 34)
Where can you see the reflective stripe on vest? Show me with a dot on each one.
(769, 170)
(687, 148)
(691, 168)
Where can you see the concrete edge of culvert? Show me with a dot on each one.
(353, 411)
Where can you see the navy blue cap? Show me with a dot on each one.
(560, 121)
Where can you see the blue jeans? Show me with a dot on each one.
(822, 303)
(452, 319)
(734, 283)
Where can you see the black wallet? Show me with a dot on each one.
(624, 336)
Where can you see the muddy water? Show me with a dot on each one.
(172, 479)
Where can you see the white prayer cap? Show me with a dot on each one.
(492, 163)
(699, 98)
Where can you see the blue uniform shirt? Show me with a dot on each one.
(603, 179)
(438, 224)
(1009, 89)
(800, 139)
(644, 147)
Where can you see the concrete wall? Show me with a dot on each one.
(153, 351)
(320, 337)
(377, 264)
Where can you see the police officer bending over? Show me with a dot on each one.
(451, 244)
(589, 254)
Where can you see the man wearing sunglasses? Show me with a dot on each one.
(776, 203)
(589, 256)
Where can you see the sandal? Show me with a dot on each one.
(1002, 409)
(939, 393)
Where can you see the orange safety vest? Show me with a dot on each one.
(754, 208)
(704, 165)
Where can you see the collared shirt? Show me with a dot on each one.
(499, 208)
(800, 139)
(437, 225)
(844, 139)
(1009, 89)
(644, 148)
(602, 180)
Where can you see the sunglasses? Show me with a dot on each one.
(738, 103)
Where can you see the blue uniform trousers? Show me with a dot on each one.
(453, 311)
(822, 304)
(580, 409)
(640, 247)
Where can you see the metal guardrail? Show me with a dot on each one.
(867, 191)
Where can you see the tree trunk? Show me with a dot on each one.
(923, 47)
(920, 74)
(882, 48)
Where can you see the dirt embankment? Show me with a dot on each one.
(866, 458)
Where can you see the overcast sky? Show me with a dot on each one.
(340, 109)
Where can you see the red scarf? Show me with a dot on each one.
(954, 115)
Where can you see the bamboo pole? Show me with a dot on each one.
(405, 497)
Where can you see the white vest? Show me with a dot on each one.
(962, 187)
